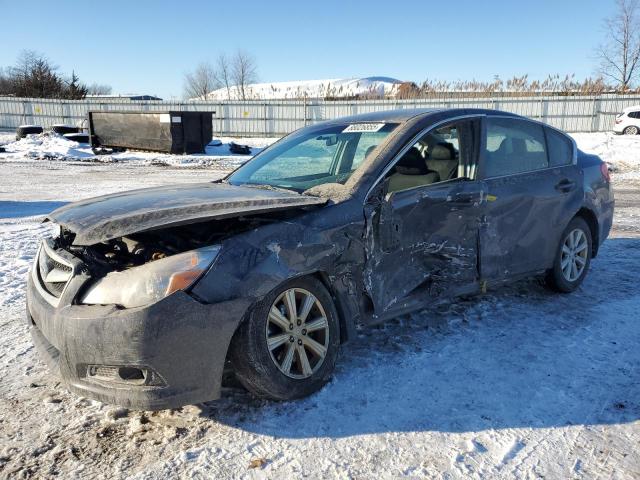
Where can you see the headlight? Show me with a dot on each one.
(152, 281)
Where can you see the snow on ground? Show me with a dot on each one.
(516, 383)
(334, 87)
(7, 136)
(622, 152)
(51, 146)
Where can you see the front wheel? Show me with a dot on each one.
(572, 258)
(288, 345)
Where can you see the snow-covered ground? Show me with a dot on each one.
(50, 146)
(334, 87)
(516, 383)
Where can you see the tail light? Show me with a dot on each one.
(604, 169)
(618, 120)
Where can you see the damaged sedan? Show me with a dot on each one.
(145, 298)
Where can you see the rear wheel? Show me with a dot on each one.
(632, 130)
(572, 258)
(287, 347)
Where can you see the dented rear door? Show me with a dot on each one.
(529, 200)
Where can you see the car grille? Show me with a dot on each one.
(54, 272)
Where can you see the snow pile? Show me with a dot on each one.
(332, 88)
(47, 146)
(51, 146)
(621, 152)
(7, 136)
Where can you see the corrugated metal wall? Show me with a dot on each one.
(278, 117)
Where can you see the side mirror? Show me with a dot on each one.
(329, 140)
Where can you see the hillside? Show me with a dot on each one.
(333, 88)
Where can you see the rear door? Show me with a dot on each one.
(533, 190)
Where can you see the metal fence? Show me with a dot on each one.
(278, 117)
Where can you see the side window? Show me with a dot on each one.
(513, 146)
(560, 148)
(634, 114)
(442, 154)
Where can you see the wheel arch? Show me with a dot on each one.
(347, 326)
(592, 221)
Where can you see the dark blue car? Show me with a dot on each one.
(145, 298)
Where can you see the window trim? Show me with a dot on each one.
(418, 136)
(481, 160)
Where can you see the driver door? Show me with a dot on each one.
(422, 242)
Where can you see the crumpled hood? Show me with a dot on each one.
(111, 216)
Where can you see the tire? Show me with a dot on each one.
(25, 130)
(239, 149)
(566, 280)
(77, 137)
(632, 130)
(64, 129)
(261, 370)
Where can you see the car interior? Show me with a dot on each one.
(531, 156)
(434, 158)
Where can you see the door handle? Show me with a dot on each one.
(565, 185)
(465, 197)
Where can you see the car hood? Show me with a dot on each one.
(111, 216)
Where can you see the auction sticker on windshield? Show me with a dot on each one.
(363, 127)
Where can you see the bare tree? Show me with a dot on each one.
(223, 73)
(200, 82)
(7, 85)
(99, 89)
(243, 72)
(619, 55)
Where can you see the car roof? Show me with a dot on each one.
(397, 115)
(631, 109)
(402, 115)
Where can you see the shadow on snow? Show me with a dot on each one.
(519, 357)
(13, 209)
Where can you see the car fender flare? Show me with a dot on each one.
(589, 216)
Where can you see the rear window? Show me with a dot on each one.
(514, 146)
(560, 148)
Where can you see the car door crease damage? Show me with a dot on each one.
(176, 283)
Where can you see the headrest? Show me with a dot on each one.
(412, 163)
(442, 151)
(369, 150)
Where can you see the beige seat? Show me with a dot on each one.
(411, 171)
(442, 159)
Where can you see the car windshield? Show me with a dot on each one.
(313, 157)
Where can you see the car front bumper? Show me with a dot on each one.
(165, 355)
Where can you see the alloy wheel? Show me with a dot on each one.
(297, 333)
(631, 130)
(573, 259)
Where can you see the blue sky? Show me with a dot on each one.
(147, 46)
